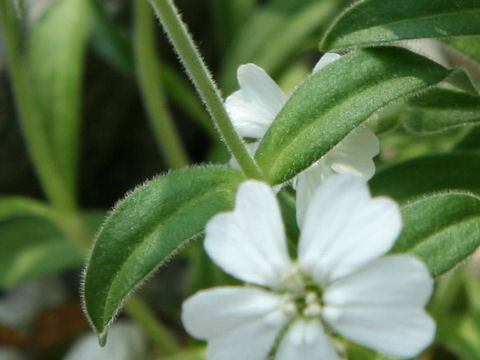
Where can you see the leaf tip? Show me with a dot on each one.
(102, 338)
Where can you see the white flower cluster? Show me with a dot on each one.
(341, 283)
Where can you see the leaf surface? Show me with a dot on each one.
(370, 22)
(148, 227)
(337, 99)
(417, 177)
(441, 229)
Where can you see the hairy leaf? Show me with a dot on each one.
(442, 229)
(145, 229)
(441, 109)
(382, 21)
(429, 174)
(337, 99)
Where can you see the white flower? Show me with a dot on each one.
(340, 283)
(253, 108)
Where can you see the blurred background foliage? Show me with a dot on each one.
(101, 79)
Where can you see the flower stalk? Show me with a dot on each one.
(202, 79)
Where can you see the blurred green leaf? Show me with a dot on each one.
(464, 51)
(429, 174)
(34, 246)
(110, 42)
(470, 141)
(148, 227)
(441, 109)
(229, 16)
(461, 334)
(381, 21)
(15, 206)
(337, 99)
(469, 45)
(289, 37)
(273, 33)
(116, 47)
(56, 49)
(441, 229)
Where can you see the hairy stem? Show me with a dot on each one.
(201, 78)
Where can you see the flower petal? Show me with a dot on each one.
(345, 228)
(326, 59)
(306, 340)
(249, 243)
(381, 306)
(238, 322)
(253, 108)
(354, 154)
(306, 183)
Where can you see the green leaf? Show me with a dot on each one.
(16, 206)
(56, 49)
(441, 109)
(464, 52)
(148, 227)
(461, 334)
(429, 174)
(382, 21)
(273, 33)
(470, 141)
(335, 100)
(33, 246)
(229, 16)
(441, 229)
(111, 43)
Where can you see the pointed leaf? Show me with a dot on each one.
(145, 229)
(381, 21)
(429, 174)
(335, 100)
(441, 229)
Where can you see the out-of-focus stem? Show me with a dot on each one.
(154, 329)
(150, 80)
(201, 78)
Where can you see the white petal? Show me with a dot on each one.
(125, 342)
(238, 322)
(306, 183)
(249, 243)
(326, 59)
(306, 340)
(345, 228)
(253, 108)
(381, 306)
(354, 154)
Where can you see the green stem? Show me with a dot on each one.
(160, 335)
(201, 78)
(50, 178)
(148, 70)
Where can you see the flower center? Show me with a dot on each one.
(303, 298)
